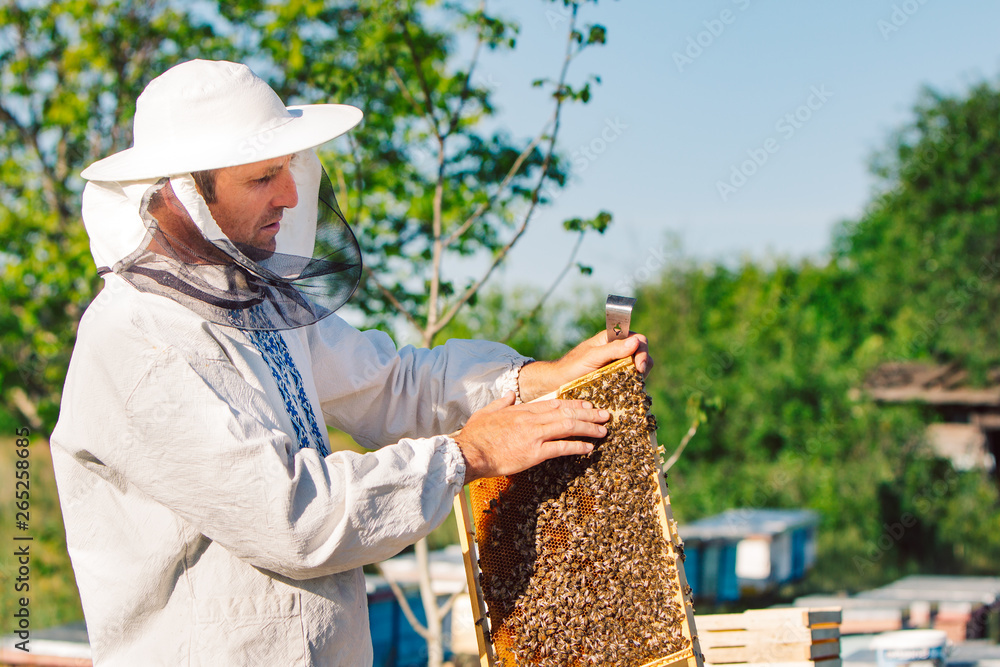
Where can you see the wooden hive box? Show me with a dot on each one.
(792, 637)
(579, 560)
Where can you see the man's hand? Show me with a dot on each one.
(541, 377)
(503, 438)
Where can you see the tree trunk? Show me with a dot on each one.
(435, 643)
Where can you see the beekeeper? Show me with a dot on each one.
(207, 521)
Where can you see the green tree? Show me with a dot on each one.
(776, 346)
(924, 260)
(422, 182)
(925, 256)
(69, 76)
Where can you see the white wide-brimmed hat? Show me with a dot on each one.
(205, 114)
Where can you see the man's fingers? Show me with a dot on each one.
(568, 427)
(636, 345)
(541, 407)
(598, 339)
(568, 413)
(504, 401)
(617, 349)
(643, 361)
(556, 448)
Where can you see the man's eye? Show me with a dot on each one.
(264, 180)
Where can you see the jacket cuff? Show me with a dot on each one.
(454, 462)
(509, 380)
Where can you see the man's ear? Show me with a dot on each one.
(173, 204)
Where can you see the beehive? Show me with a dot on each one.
(578, 557)
(793, 637)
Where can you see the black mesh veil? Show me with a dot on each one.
(239, 286)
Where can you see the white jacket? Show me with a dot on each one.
(200, 532)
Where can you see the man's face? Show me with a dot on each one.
(250, 200)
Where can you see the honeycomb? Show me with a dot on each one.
(575, 566)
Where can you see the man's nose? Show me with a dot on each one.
(287, 195)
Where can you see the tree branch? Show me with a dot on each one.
(424, 86)
(457, 234)
(407, 611)
(430, 328)
(552, 288)
(26, 407)
(502, 254)
(463, 96)
(437, 251)
(403, 89)
(421, 551)
(446, 607)
(392, 298)
(680, 448)
(49, 182)
(359, 180)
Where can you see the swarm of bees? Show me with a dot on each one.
(575, 568)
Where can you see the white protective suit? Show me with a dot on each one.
(204, 524)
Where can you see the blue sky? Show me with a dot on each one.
(693, 90)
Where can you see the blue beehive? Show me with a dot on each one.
(394, 641)
(748, 550)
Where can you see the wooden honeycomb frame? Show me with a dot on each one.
(689, 656)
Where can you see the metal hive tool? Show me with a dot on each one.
(578, 557)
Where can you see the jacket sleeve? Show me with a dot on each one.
(380, 394)
(205, 443)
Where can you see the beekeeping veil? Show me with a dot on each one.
(150, 224)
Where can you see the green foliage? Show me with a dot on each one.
(69, 75)
(701, 409)
(599, 223)
(767, 359)
(773, 348)
(422, 181)
(925, 257)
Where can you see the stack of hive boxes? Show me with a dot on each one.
(788, 637)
